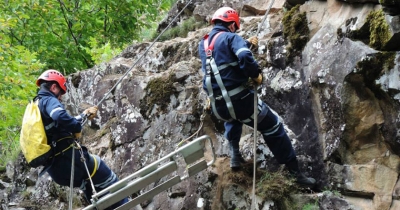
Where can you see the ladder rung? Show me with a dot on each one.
(151, 193)
(196, 168)
(192, 147)
(135, 185)
(193, 153)
(193, 157)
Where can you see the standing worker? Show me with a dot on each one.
(61, 131)
(227, 63)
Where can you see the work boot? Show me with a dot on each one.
(236, 157)
(301, 179)
(236, 162)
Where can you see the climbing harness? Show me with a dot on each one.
(211, 66)
(213, 70)
(106, 96)
(253, 204)
(226, 94)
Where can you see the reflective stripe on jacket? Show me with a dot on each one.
(233, 58)
(57, 122)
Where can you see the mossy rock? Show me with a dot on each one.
(379, 29)
(295, 31)
(158, 91)
(369, 70)
(181, 30)
(375, 32)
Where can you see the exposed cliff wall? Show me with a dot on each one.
(331, 71)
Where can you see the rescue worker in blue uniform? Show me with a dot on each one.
(227, 64)
(61, 130)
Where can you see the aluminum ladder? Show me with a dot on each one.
(193, 155)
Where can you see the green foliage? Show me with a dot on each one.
(102, 53)
(59, 31)
(63, 35)
(19, 70)
(275, 186)
(375, 32)
(311, 206)
(182, 30)
(378, 28)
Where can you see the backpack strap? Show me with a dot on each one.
(37, 97)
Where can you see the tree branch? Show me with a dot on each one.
(47, 23)
(69, 24)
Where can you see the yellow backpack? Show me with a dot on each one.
(33, 139)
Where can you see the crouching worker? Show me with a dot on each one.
(228, 63)
(61, 130)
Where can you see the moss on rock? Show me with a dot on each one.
(379, 29)
(375, 32)
(181, 30)
(295, 31)
(158, 91)
(371, 68)
(388, 2)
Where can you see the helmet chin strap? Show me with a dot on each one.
(58, 94)
(232, 28)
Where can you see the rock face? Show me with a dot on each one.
(336, 88)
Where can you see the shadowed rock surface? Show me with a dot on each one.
(336, 87)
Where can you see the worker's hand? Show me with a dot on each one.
(91, 112)
(258, 81)
(253, 41)
(207, 107)
(78, 135)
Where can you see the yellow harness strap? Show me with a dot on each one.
(65, 148)
(95, 166)
(70, 146)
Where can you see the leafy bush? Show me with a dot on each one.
(17, 86)
(182, 30)
(275, 186)
(59, 32)
(37, 35)
(102, 53)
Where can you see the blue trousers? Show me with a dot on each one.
(268, 124)
(101, 175)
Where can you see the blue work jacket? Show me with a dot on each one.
(58, 123)
(231, 49)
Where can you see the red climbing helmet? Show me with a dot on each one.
(53, 75)
(226, 14)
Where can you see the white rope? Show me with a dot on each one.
(71, 182)
(86, 167)
(255, 145)
(147, 50)
(195, 133)
(104, 97)
(71, 185)
(253, 204)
